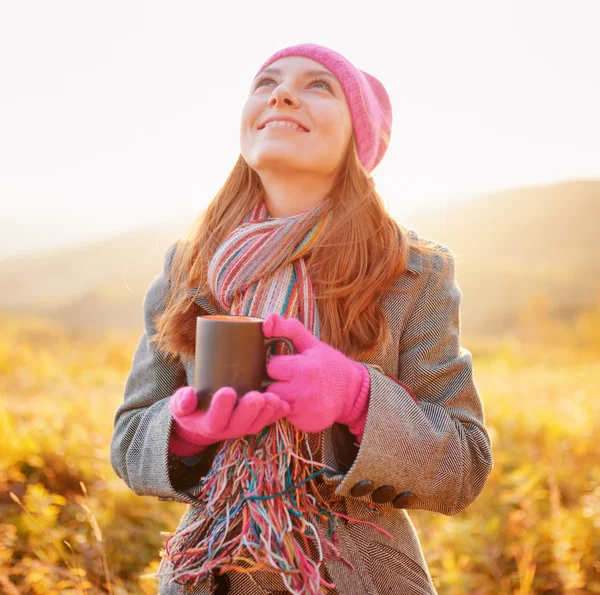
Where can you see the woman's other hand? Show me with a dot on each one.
(320, 383)
(195, 430)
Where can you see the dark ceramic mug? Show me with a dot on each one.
(231, 351)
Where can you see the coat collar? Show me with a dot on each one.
(202, 300)
(414, 262)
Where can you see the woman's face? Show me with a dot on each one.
(296, 118)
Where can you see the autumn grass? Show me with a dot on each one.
(69, 525)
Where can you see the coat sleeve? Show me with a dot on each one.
(425, 434)
(143, 422)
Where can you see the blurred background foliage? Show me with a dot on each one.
(69, 525)
(530, 315)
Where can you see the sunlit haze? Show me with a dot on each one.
(119, 115)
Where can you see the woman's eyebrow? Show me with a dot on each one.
(269, 71)
(321, 73)
(278, 72)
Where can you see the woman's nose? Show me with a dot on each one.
(282, 96)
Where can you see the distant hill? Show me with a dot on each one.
(512, 244)
(509, 245)
(94, 286)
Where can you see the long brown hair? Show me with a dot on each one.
(361, 254)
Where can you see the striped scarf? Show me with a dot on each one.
(260, 268)
(259, 508)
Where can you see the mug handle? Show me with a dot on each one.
(268, 342)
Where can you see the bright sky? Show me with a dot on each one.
(116, 115)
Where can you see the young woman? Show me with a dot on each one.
(305, 488)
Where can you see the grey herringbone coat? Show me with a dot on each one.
(424, 436)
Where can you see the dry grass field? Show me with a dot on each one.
(69, 525)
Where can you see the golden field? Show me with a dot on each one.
(69, 525)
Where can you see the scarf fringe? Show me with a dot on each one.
(256, 515)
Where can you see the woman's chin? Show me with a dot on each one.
(281, 159)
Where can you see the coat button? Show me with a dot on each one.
(362, 488)
(222, 583)
(403, 500)
(383, 494)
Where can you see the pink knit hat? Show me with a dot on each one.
(370, 107)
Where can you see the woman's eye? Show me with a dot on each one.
(323, 84)
(262, 82)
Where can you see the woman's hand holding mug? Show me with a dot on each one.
(194, 430)
(320, 383)
(313, 388)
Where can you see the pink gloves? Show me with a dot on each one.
(320, 384)
(314, 388)
(195, 430)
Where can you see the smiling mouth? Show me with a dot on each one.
(284, 124)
